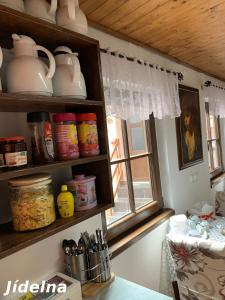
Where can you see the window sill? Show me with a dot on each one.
(123, 242)
(217, 179)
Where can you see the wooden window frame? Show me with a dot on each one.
(137, 216)
(215, 171)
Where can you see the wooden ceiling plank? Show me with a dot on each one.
(89, 6)
(135, 15)
(199, 36)
(169, 13)
(163, 29)
(160, 11)
(121, 12)
(204, 36)
(202, 40)
(105, 9)
(200, 56)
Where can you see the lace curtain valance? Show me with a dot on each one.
(216, 98)
(137, 89)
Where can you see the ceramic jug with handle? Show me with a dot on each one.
(15, 4)
(41, 9)
(70, 16)
(26, 73)
(68, 79)
(1, 60)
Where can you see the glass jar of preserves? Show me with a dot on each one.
(13, 151)
(87, 134)
(66, 136)
(32, 202)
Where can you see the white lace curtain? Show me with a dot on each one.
(216, 98)
(137, 89)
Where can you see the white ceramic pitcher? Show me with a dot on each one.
(26, 73)
(68, 79)
(15, 4)
(41, 9)
(70, 16)
(1, 60)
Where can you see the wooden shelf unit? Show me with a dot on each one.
(8, 102)
(12, 241)
(6, 174)
(51, 36)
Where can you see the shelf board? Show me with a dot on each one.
(6, 174)
(13, 20)
(16, 102)
(12, 241)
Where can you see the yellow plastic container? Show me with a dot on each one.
(65, 202)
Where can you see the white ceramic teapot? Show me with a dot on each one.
(1, 60)
(70, 16)
(68, 79)
(26, 73)
(41, 9)
(15, 4)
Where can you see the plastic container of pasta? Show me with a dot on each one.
(32, 202)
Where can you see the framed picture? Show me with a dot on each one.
(188, 126)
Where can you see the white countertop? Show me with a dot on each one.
(121, 289)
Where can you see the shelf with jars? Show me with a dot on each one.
(68, 64)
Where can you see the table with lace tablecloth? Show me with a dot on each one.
(168, 274)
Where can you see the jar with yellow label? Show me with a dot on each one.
(88, 134)
(32, 202)
(66, 136)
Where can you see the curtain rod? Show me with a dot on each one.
(179, 75)
(209, 83)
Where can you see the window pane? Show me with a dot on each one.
(208, 128)
(136, 132)
(141, 181)
(214, 127)
(216, 154)
(115, 137)
(209, 157)
(121, 194)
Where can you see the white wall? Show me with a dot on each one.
(141, 262)
(42, 258)
(178, 190)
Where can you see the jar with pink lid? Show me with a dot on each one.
(66, 136)
(83, 189)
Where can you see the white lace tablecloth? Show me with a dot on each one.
(168, 274)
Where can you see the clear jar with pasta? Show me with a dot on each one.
(32, 202)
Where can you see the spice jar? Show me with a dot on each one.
(87, 134)
(41, 137)
(13, 151)
(83, 189)
(66, 136)
(32, 202)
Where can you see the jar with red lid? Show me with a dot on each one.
(14, 151)
(66, 136)
(87, 134)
